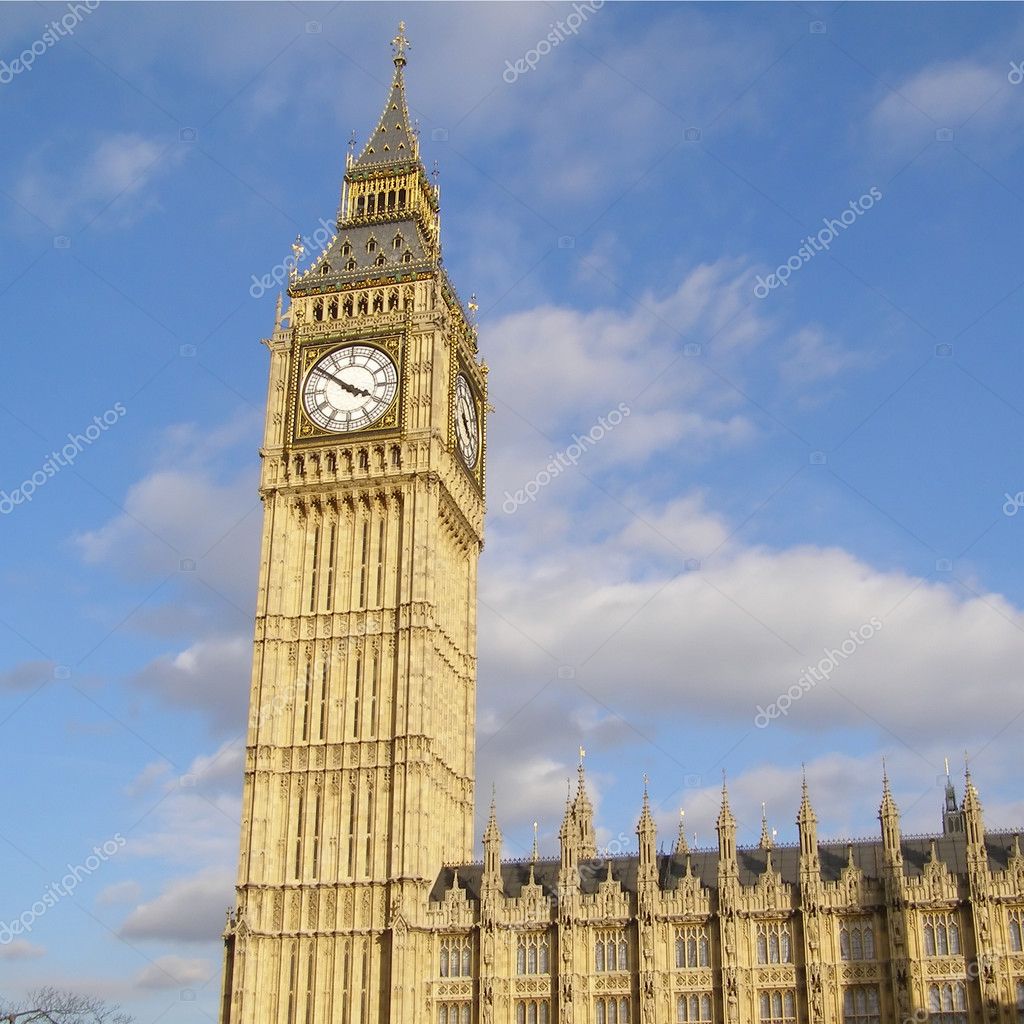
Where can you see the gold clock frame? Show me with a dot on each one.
(304, 430)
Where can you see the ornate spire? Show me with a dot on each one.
(952, 818)
(491, 882)
(726, 828)
(682, 846)
(807, 823)
(583, 813)
(765, 842)
(647, 834)
(889, 816)
(393, 141)
(974, 824)
(535, 852)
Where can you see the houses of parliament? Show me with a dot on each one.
(357, 898)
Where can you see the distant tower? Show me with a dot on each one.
(360, 758)
(952, 816)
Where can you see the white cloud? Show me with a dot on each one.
(210, 676)
(21, 949)
(119, 892)
(175, 972)
(27, 675)
(113, 182)
(187, 910)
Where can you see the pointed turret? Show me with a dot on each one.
(807, 824)
(568, 840)
(889, 817)
(647, 834)
(682, 846)
(492, 849)
(765, 842)
(974, 823)
(726, 829)
(583, 810)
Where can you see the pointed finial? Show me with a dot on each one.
(352, 141)
(945, 761)
(297, 250)
(277, 311)
(400, 44)
(765, 842)
(416, 127)
(849, 855)
(535, 852)
(681, 845)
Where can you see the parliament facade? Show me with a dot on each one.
(357, 901)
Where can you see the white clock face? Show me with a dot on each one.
(467, 426)
(350, 388)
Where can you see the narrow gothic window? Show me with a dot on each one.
(346, 249)
(370, 200)
(325, 270)
(331, 551)
(293, 973)
(380, 263)
(392, 300)
(307, 693)
(318, 309)
(316, 568)
(401, 198)
(371, 245)
(356, 695)
(391, 199)
(323, 700)
(368, 836)
(396, 242)
(1016, 920)
(309, 989)
(318, 812)
(332, 309)
(346, 306)
(351, 265)
(364, 304)
(300, 824)
(352, 835)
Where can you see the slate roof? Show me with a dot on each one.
(867, 855)
(366, 266)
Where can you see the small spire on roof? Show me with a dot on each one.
(765, 841)
(681, 844)
(536, 849)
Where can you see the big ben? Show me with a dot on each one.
(359, 759)
(357, 901)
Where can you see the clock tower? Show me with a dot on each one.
(359, 763)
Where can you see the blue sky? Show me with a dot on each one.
(792, 467)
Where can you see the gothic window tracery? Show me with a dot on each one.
(694, 1008)
(861, 1005)
(857, 940)
(611, 951)
(532, 955)
(777, 1007)
(1016, 926)
(611, 1010)
(456, 957)
(532, 1011)
(941, 935)
(774, 945)
(947, 1003)
(693, 948)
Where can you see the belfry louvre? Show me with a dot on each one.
(356, 899)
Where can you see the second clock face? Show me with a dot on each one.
(467, 426)
(350, 388)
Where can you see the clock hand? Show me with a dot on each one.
(350, 388)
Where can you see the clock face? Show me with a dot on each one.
(350, 388)
(467, 426)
